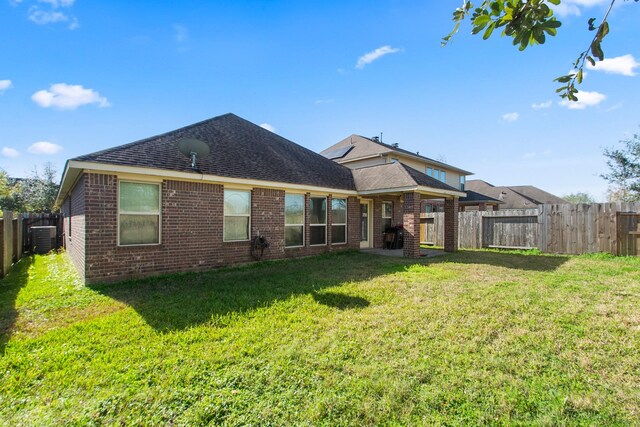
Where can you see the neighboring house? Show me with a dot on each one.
(140, 209)
(358, 151)
(514, 197)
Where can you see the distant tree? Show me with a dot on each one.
(624, 169)
(528, 22)
(617, 194)
(580, 197)
(37, 193)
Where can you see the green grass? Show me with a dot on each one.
(477, 337)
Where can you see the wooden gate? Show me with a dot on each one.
(628, 233)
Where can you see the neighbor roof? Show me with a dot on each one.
(514, 197)
(239, 149)
(357, 147)
(474, 197)
(396, 176)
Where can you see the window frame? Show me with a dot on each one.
(340, 224)
(224, 216)
(159, 214)
(318, 224)
(463, 182)
(304, 211)
(429, 171)
(443, 176)
(390, 218)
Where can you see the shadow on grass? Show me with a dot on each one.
(179, 301)
(519, 261)
(10, 286)
(340, 301)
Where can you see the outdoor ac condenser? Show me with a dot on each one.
(43, 238)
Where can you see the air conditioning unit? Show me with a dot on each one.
(43, 239)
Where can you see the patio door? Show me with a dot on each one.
(366, 223)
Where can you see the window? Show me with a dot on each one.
(387, 215)
(443, 176)
(338, 221)
(462, 182)
(436, 173)
(139, 214)
(293, 220)
(237, 215)
(429, 172)
(318, 221)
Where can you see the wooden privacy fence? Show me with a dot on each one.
(10, 241)
(561, 228)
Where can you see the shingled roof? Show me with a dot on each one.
(239, 149)
(396, 175)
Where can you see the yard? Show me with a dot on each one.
(476, 337)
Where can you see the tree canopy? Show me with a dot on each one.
(624, 169)
(528, 23)
(36, 193)
(579, 197)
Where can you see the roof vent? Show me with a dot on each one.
(375, 138)
(394, 145)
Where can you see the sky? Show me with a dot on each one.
(79, 76)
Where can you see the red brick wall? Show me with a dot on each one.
(451, 225)
(411, 223)
(73, 224)
(192, 230)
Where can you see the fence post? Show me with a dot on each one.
(7, 241)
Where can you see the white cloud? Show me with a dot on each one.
(42, 17)
(10, 152)
(324, 101)
(510, 117)
(4, 85)
(369, 57)
(585, 99)
(58, 3)
(574, 7)
(542, 105)
(268, 127)
(624, 65)
(181, 32)
(44, 147)
(68, 97)
(534, 154)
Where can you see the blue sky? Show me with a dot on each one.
(80, 76)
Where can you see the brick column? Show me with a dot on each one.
(411, 223)
(451, 225)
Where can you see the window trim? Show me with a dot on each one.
(387, 217)
(346, 218)
(224, 216)
(157, 184)
(304, 211)
(319, 224)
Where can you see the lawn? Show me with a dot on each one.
(471, 338)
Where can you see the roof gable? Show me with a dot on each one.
(396, 175)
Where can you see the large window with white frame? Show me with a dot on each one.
(293, 220)
(318, 220)
(387, 215)
(338, 221)
(138, 213)
(237, 215)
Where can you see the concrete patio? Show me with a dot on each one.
(424, 252)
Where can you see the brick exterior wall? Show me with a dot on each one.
(451, 225)
(192, 221)
(411, 223)
(73, 225)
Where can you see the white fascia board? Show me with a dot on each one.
(200, 177)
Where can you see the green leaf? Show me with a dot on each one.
(556, 2)
(591, 61)
(591, 21)
(579, 76)
(489, 30)
(597, 50)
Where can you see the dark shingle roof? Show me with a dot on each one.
(394, 175)
(239, 149)
(475, 197)
(513, 197)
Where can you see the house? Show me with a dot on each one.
(514, 197)
(356, 151)
(144, 208)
